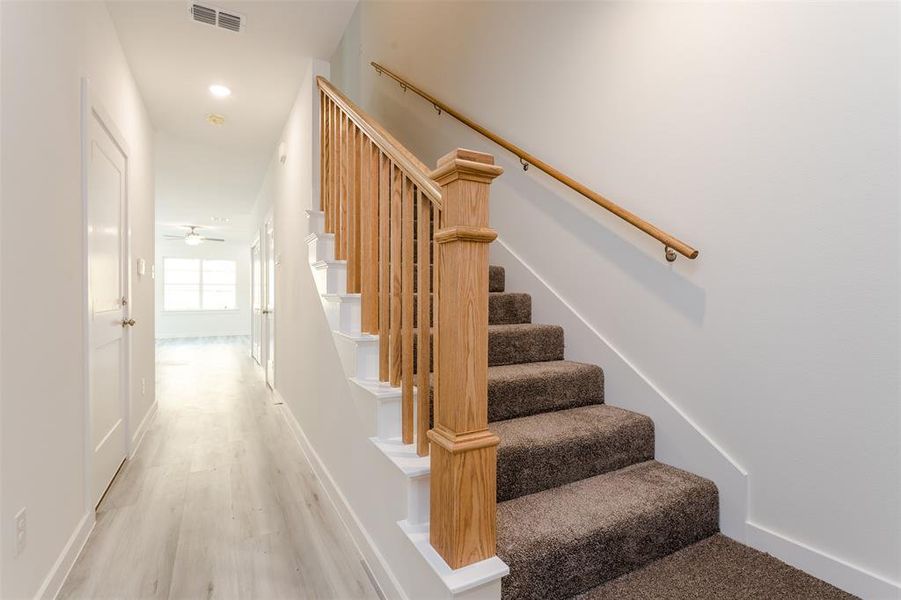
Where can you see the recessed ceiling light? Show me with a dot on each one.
(220, 91)
(215, 119)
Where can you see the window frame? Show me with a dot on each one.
(201, 310)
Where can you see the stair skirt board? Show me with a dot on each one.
(582, 502)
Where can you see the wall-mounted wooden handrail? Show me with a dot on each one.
(415, 169)
(671, 243)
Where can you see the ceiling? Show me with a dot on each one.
(204, 171)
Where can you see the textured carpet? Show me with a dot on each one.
(583, 509)
(568, 539)
(716, 568)
(543, 451)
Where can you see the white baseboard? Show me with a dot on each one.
(830, 569)
(60, 570)
(138, 437)
(375, 562)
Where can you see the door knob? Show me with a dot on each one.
(128, 322)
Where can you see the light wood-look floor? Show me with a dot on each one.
(219, 501)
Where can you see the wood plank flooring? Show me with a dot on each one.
(219, 501)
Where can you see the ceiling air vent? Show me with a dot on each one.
(210, 15)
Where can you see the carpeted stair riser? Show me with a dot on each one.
(504, 308)
(548, 450)
(514, 344)
(510, 344)
(569, 539)
(519, 390)
(716, 568)
(495, 278)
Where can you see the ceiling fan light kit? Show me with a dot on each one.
(192, 238)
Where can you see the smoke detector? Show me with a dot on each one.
(217, 17)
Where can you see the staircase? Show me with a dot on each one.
(583, 507)
(562, 487)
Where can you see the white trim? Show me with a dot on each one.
(361, 538)
(138, 437)
(60, 571)
(831, 569)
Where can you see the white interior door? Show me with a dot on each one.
(107, 305)
(256, 302)
(269, 303)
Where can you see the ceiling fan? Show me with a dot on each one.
(192, 238)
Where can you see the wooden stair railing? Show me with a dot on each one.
(671, 244)
(395, 220)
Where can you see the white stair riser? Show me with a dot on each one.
(321, 247)
(389, 417)
(418, 500)
(331, 278)
(343, 314)
(317, 221)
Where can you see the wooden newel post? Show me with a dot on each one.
(464, 451)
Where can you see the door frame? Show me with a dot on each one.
(269, 308)
(91, 107)
(253, 268)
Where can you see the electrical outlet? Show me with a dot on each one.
(21, 531)
(143, 386)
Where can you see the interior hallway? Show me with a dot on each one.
(219, 501)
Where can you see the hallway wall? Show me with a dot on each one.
(46, 48)
(766, 134)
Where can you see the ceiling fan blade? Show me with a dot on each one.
(174, 237)
(206, 239)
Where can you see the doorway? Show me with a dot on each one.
(108, 291)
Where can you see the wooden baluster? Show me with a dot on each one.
(353, 210)
(436, 331)
(330, 166)
(322, 151)
(424, 289)
(366, 296)
(370, 272)
(407, 313)
(384, 271)
(394, 341)
(464, 452)
(330, 218)
(341, 230)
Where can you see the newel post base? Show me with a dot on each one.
(464, 452)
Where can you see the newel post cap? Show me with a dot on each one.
(466, 165)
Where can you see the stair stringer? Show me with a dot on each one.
(379, 405)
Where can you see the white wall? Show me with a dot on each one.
(766, 134)
(204, 323)
(46, 50)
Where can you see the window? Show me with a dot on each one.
(199, 284)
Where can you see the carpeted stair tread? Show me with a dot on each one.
(524, 343)
(519, 390)
(716, 568)
(569, 539)
(547, 450)
(504, 308)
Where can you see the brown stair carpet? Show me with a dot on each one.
(552, 449)
(568, 539)
(582, 506)
(716, 568)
